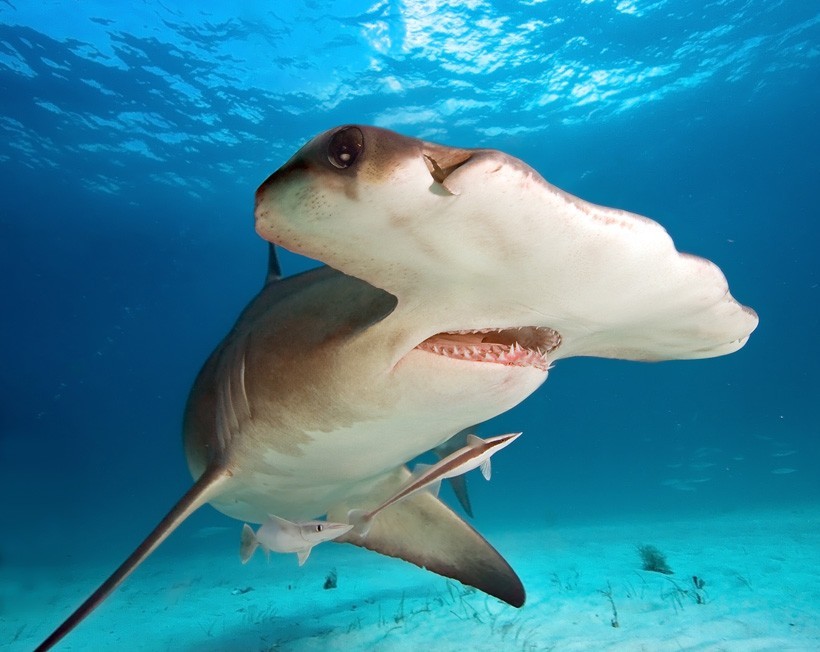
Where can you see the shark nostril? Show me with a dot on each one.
(442, 167)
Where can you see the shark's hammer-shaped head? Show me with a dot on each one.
(378, 206)
(486, 255)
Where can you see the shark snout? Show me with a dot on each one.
(294, 166)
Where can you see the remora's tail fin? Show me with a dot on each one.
(201, 492)
(424, 531)
(248, 543)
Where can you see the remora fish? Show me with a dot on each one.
(459, 482)
(280, 535)
(456, 276)
(476, 453)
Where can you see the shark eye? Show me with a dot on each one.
(319, 528)
(345, 147)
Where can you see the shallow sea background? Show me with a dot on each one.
(131, 142)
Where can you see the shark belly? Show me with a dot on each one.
(307, 414)
(398, 417)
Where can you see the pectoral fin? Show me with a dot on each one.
(486, 469)
(203, 490)
(424, 531)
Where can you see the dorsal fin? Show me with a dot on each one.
(203, 490)
(274, 269)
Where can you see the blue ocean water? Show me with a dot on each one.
(133, 139)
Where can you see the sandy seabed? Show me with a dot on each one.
(585, 591)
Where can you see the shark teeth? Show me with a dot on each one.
(519, 347)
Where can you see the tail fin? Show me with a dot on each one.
(249, 543)
(203, 490)
(360, 521)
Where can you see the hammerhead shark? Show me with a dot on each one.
(455, 278)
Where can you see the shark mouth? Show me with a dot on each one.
(528, 346)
